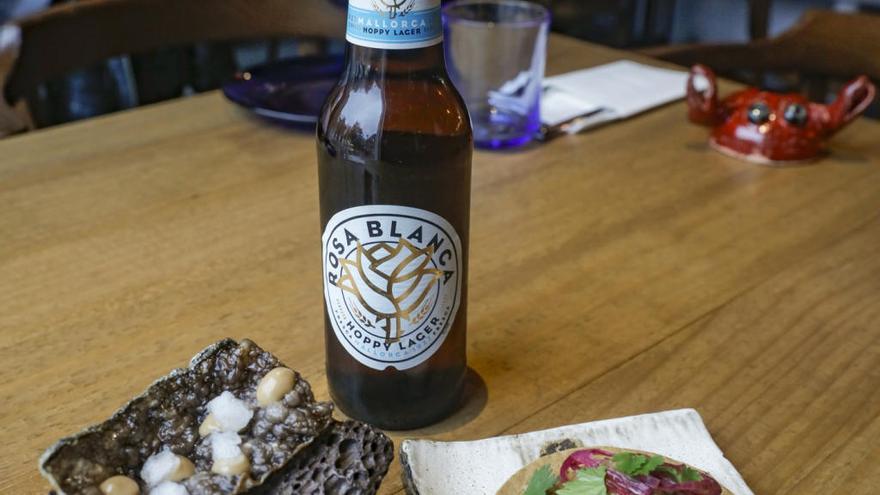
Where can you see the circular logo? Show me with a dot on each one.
(392, 283)
(394, 8)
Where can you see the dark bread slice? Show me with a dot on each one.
(348, 458)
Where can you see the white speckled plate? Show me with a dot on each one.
(482, 466)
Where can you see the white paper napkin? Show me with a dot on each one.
(483, 466)
(620, 89)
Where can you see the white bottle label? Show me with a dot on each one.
(394, 24)
(392, 283)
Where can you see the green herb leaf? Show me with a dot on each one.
(636, 464)
(671, 471)
(686, 473)
(690, 474)
(586, 481)
(628, 462)
(650, 465)
(541, 481)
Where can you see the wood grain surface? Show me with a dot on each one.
(626, 270)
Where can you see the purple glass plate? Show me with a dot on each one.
(288, 92)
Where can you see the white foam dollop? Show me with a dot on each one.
(159, 467)
(169, 488)
(225, 445)
(231, 413)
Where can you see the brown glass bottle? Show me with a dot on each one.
(395, 133)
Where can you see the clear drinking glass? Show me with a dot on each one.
(495, 53)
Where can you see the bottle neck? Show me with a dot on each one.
(394, 37)
(362, 60)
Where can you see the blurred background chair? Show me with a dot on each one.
(83, 58)
(617, 23)
(821, 51)
(639, 23)
(63, 72)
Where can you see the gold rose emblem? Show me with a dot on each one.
(390, 281)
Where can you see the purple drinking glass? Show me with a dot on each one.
(495, 54)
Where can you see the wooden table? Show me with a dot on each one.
(626, 270)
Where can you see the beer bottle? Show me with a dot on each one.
(394, 167)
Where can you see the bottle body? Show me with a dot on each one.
(394, 162)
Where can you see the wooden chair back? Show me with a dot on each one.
(76, 35)
(823, 44)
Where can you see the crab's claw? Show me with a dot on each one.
(702, 96)
(852, 100)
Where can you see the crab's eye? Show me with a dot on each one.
(796, 114)
(759, 113)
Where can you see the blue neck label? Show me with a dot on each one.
(394, 24)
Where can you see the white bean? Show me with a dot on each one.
(209, 425)
(120, 485)
(275, 385)
(232, 466)
(184, 470)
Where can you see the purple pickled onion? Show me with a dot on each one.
(618, 483)
(621, 484)
(582, 458)
(649, 480)
(706, 486)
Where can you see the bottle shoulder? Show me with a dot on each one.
(423, 105)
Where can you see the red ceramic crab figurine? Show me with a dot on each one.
(772, 128)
